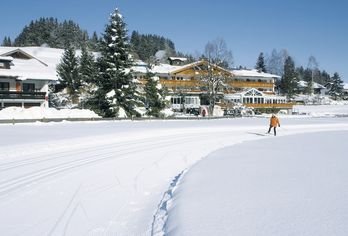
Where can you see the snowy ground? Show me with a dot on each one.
(322, 110)
(266, 187)
(10, 113)
(108, 178)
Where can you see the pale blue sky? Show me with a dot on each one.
(304, 28)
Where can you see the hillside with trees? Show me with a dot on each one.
(50, 32)
(145, 46)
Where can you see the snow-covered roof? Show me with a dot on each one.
(345, 86)
(254, 73)
(165, 68)
(29, 69)
(142, 67)
(41, 63)
(6, 58)
(178, 58)
(303, 84)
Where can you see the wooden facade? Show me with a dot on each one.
(252, 90)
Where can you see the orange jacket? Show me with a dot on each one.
(274, 122)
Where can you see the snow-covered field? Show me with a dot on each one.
(18, 113)
(266, 187)
(322, 110)
(109, 178)
(10, 113)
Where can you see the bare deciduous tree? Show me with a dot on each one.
(213, 69)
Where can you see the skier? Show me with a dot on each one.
(274, 122)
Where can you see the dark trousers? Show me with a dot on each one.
(274, 129)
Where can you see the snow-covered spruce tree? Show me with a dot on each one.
(260, 64)
(88, 75)
(68, 72)
(116, 86)
(289, 81)
(335, 86)
(154, 96)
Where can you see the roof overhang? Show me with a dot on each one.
(25, 55)
(195, 67)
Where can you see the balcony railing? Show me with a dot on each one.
(270, 105)
(180, 83)
(22, 95)
(250, 84)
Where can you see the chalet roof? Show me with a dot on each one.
(25, 55)
(177, 59)
(6, 58)
(31, 62)
(48, 56)
(254, 73)
(196, 64)
(29, 69)
(303, 84)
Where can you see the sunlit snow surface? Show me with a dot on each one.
(108, 178)
(291, 185)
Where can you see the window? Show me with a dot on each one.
(4, 86)
(5, 64)
(175, 100)
(28, 87)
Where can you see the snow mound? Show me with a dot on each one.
(40, 113)
(321, 110)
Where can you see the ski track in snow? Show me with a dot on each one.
(145, 162)
(104, 153)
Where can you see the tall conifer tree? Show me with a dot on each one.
(336, 86)
(87, 68)
(260, 64)
(289, 80)
(116, 86)
(68, 73)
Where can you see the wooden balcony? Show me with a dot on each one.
(250, 84)
(180, 83)
(270, 105)
(22, 95)
(234, 84)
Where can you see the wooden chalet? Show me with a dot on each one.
(188, 89)
(24, 78)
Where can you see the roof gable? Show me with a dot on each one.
(253, 92)
(201, 67)
(20, 54)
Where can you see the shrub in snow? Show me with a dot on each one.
(154, 96)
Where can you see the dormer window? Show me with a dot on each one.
(4, 65)
(5, 62)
